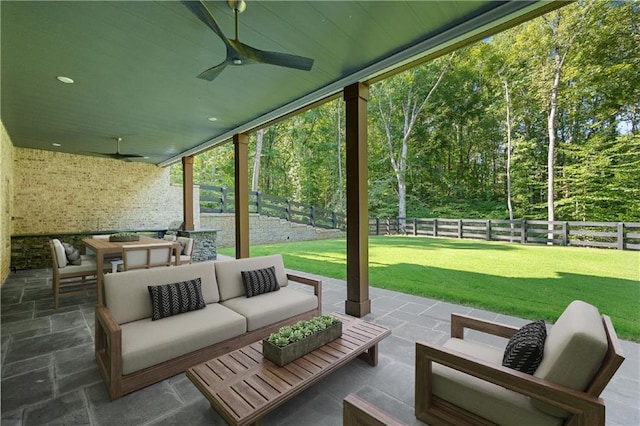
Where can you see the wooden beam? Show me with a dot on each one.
(187, 193)
(358, 303)
(241, 145)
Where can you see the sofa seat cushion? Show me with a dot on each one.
(268, 308)
(127, 296)
(146, 343)
(482, 398)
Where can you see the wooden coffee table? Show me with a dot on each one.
(242, 386)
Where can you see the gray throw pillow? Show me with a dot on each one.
(73, 256)
(260, 281)
(525, 348)
(176, 298)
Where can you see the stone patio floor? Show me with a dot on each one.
(49, 375)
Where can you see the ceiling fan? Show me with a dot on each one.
(117, 155)
(239, 53)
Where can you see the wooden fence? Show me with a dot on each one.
(215, 199)
(622, 236)
(617, 235)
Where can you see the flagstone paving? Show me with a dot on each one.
(49, 375)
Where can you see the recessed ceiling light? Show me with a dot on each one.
(145, 157)
(212, 119)
(64, 79)
(56, 144)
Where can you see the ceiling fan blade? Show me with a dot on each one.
(276, 58)
(202, 13)
(213, 72)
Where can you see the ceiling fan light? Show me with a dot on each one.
(237, 62)
(65, 80)
(238, 5)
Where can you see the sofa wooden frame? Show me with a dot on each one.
(586, 407)
(108, 348)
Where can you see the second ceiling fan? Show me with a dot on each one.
(239, 53)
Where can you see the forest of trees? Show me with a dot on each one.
(539, 122)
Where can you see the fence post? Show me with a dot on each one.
(565, 233)
(435, 227)
(415, 226)
(620, 236)
(223, 200)
(377, 226)
(388, 225)
(312, 216)
(523, 232)
(459, 228)
(258, 202)
(287, 210)
(334, 220)
(488, 238)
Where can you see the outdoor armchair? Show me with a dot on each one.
(465, 383)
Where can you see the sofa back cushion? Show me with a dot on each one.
(229, 274)
(127, 296)
(573, 351)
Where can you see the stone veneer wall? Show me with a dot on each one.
(6, 201)
(263, 229)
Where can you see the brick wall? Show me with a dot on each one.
(6, 201)
(58, 193)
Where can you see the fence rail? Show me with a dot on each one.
(617, 235)
(215, 199)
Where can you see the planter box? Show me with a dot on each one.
(284, 355)
(121, 239)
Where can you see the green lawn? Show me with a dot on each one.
(529, 281)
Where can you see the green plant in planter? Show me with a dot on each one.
(124, 234)
(301, 329)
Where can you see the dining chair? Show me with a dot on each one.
(145, 256)
(69, 280)
(187, 246)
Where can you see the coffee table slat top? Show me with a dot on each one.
(243, 386)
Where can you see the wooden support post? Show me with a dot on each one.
(358, 303)
(187, 193)
(241, 143)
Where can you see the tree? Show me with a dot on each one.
(400, 100)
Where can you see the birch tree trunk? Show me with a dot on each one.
(256, 160)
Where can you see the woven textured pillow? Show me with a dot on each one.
(525, 348)
(73, 256)
(176, 298)
(260, 281)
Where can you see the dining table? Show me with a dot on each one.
(102, 247)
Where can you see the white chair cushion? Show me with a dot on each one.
(61, 256)
(229, 275)
(485, 399)
(573, 351)
(268, 308)
(127, 296)
(146, 343)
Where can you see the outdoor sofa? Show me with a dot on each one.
(133, 350)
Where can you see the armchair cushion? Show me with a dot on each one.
(525, 348)
(483, 398)
(573, 351)
(176, 298)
